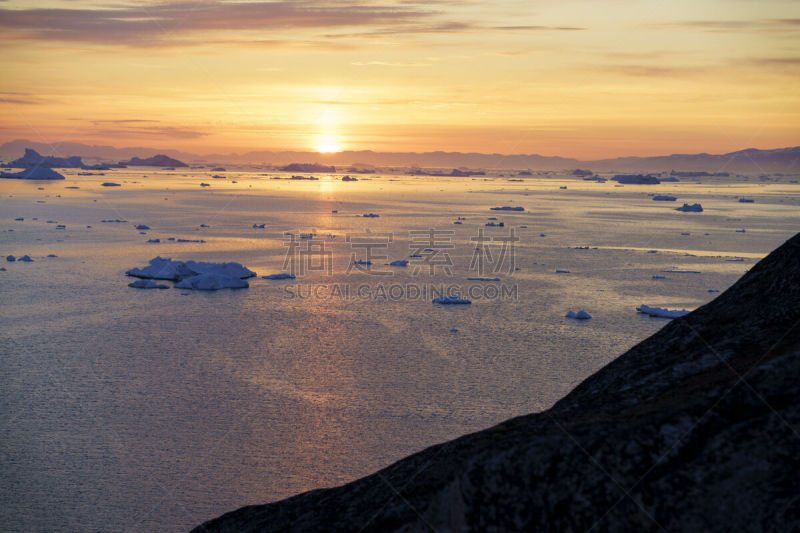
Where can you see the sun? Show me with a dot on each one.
(327, 144)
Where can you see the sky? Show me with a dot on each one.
(575, 78)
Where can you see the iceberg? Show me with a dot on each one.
(147, 284)
(258, 226)
(661, 312)
(166, 268)
(281, 275)
(10, 258)
(159, 160)
(664, 198)
(694, 208)
(35, 173)
(25, 259)
(211, 281)
(142, 226)
(451, 300)
(636, 179)
(580, 315)
(153, 241)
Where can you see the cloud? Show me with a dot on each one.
(538, 28)
(19, 98)
(106, 128)
(725, 26)
(389, 64)
(145, 24)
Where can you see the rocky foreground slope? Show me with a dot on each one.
(696, 428)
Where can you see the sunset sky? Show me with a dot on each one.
(574, 78)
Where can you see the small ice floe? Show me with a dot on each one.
(335, 211)
(685, 233)
(2, 269)
(142, 226)
(147, 284)
(218, 177)
(664, 198)
(735, 259)
(348, 178)
(370, 215)
(483, 279)
(457, 222)
(581, 247)
(114, 221)
(72, 187)
(205, 185)
(34, 173)
(110, 184)
(495, 224)
(258, 226)
(19, 219)
(652, 251)
(451, 300)
(204, 226)
(580, 315)
(10, 258)
(713, 290)
(662, 312)
(676, 271)
(453, 330)
(153, 241)
(399, 263)
(218, 169)
(415, 256)
(52, 255)
(191, 240)
(558, 271)
(25, 259)
(542, 235)
(61, 226)
(746, 200)
(740, 230)
(563, 187)
(211, 281)
(363, 262)
(280, 275)
(656, 276)
(694, 208)
(508, 208)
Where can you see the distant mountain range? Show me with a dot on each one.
(781, 160)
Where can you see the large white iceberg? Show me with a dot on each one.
(662, 312)
(166, 268)
(35, 173)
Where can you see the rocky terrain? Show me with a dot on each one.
(697, 428)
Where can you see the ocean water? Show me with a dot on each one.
(134, 410)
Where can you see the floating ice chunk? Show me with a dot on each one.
(662, 312)
(211, 281)
(204, 226)
(664, 198)
(147, 284)
(19, 219)
(562, 271)
(453, 330)
(580, 315)
(153, 241)
(694, 208)
(363, 262)
(563, 187)
(746, 200)
(483, 279)
(52, 255)
(61, 226)
(495, 224)
(348, 178)
(2, 269)
(713, 290)
(735, 259)
(205, 185)
(450, 300)
(659, 277)
(161, 268)
(110, 184)
(142, 226)
(675, 271)
(224, 269)
(10, 258)
(281, 275)
(25, 258)
(370, 215)
(740, 230)
(399, 263)
(457, 222)
(258, 226)
(507, 208)
(218, 177)
(191, 240)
